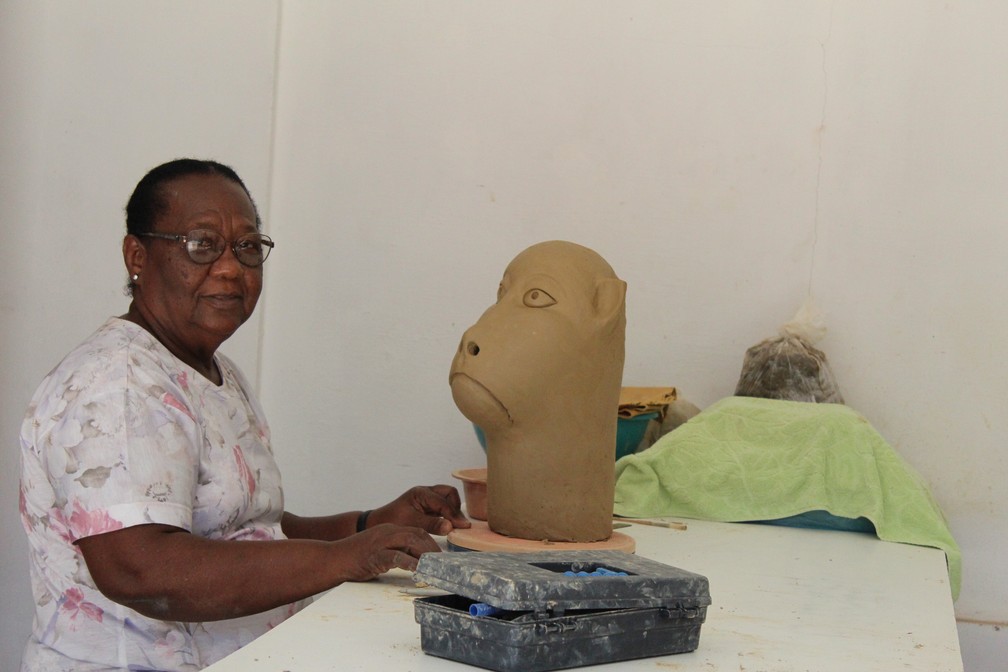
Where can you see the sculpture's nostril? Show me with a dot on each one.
(472, 348)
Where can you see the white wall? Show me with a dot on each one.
(726, 158)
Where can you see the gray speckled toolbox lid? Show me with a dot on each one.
(536, 581)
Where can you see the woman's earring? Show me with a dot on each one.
(128, 289)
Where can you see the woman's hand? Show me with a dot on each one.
(378, 549)
(436, 509)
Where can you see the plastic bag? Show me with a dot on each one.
(789, 366)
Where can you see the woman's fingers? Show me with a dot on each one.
(385, 547)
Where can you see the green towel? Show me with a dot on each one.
(748, 459)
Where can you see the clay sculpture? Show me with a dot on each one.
(540, 373)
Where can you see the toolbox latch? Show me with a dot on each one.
(680, 610)
(555, 626)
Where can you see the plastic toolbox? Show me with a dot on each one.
(526, 612)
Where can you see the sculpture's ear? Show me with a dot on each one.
(610, 295)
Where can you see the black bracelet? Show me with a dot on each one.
(362, 520)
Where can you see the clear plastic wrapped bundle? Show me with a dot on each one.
(789, 366)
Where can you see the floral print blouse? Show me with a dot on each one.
(123, 433)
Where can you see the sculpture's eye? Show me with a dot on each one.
(500, 291)
(537, 298)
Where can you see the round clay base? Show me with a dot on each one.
(480, 537)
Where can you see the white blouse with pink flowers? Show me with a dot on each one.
(123, 433)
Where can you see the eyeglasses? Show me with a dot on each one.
(205, 246)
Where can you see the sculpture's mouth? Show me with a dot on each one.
(477, 402)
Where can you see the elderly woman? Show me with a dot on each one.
(149, 492)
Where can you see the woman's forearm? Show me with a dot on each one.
(166, 573)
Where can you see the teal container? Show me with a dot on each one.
(630, 432)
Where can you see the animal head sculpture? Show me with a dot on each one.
(540, 373)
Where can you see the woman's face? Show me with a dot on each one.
(193, 308)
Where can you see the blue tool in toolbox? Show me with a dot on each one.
(530, 612)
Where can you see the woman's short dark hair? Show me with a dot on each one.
(149, 201)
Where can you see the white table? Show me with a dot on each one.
(784, 600)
